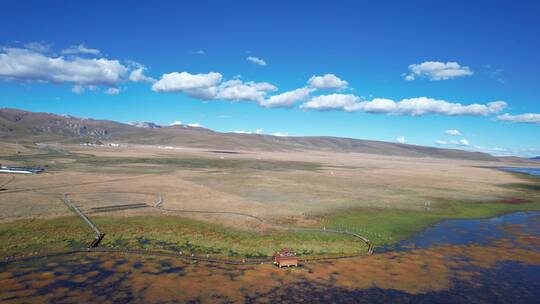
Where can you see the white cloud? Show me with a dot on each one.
(345, 102)
(209, 86)
(176, 123)
(247, 91)
(424, 105)
(204, 93)
(80, 49)
(287, 99)
(452, 132)
(463, 142)
(27, 65)
(258, 131)
(137, 75)
(436, 70)
(280, 134)
(195, 125)
(199, 52)
(112, 91)
(202, 86)
(401, 140)
(409, 77)
(442, 142)
(412, 106)
(241, 132)
(256, 60)
(378, 105)
(530, 118)
(176, 82)
(328, 81)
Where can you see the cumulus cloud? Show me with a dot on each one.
(412, 106)
(452, 132)
(195, 125)
(327, 81)
(80, 49)
(423, 105)
(202, 86)
(258, 131)
(461, 142)
(401, 140)
(344, 102)
(287, 99)
(178, 82)
(529, 118)
(27, 65)
(280, 134)
(137, 75)
(237, 90)
(176, 123)
(256, 60)
(436, 70)
(209, 86)
(112, 91)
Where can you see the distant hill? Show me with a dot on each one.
(535, 158)
(32, 127)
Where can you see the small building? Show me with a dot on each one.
(285, 258)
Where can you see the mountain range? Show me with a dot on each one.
(33, 127)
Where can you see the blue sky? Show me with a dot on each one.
(169, 61)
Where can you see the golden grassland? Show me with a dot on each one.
(384, 198)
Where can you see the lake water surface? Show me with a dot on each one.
(494, 260)
(530, 171)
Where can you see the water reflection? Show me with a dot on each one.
(501, 263)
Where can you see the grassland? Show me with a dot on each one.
(383, 227)
(174, 233)
(381, 198)
(168, 233)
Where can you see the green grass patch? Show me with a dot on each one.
(162, 165)
(168, 233)
(26, 236)
(389, 226)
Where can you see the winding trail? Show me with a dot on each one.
(93, 247)
(159, 205)
(171, 254)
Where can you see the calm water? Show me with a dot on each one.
(531, 171)
(120, 279)
(467, 232)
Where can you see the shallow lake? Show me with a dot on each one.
(476, 261)
(530, 171)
